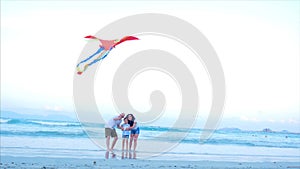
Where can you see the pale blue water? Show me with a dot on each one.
(24, 137)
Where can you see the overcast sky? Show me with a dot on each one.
(256, 42)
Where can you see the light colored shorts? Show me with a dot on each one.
(110, 132)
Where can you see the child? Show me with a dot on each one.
(125, 134)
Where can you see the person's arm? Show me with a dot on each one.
(117, 118)
(120, 127)
(133, 126)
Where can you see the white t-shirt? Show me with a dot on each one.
(126, 132)
(112, 123)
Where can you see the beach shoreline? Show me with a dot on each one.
(57, 163)
(54, 144)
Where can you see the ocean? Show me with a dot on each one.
(44, 138)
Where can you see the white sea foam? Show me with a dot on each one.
(4, 120)
(52, 123)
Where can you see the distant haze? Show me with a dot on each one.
(257, 44)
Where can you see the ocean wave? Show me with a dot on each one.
(249, 143)
(39, 122)
(52, 123)
(4, 120)
(44, 133)
(10, 121)
(225, 136)
(226, 141)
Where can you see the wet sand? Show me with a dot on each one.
(60, 163)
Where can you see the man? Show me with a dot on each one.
(110, 130)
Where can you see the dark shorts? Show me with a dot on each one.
(125, 136)
(135, 131)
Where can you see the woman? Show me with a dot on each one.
(134, 131)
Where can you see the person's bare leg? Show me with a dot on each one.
(107, 154)
(134, 155)
(134, 143)
(122, 155)
(130, 142)
(135, 138)
(123, 143)
(107, 142)
(114, 143)
(126, 142)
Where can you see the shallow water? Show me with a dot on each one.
(42, 138)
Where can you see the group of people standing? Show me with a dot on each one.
(130, 132)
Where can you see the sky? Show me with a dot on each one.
(257, 44)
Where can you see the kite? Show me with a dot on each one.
(104, 48)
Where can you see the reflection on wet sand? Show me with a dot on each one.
(125, 155)
(132, 155)
(113, 155)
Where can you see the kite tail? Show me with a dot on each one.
(93, 62)
(98, 51)
(100, 58)
(85, 60)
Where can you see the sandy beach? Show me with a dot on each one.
(55, 163)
